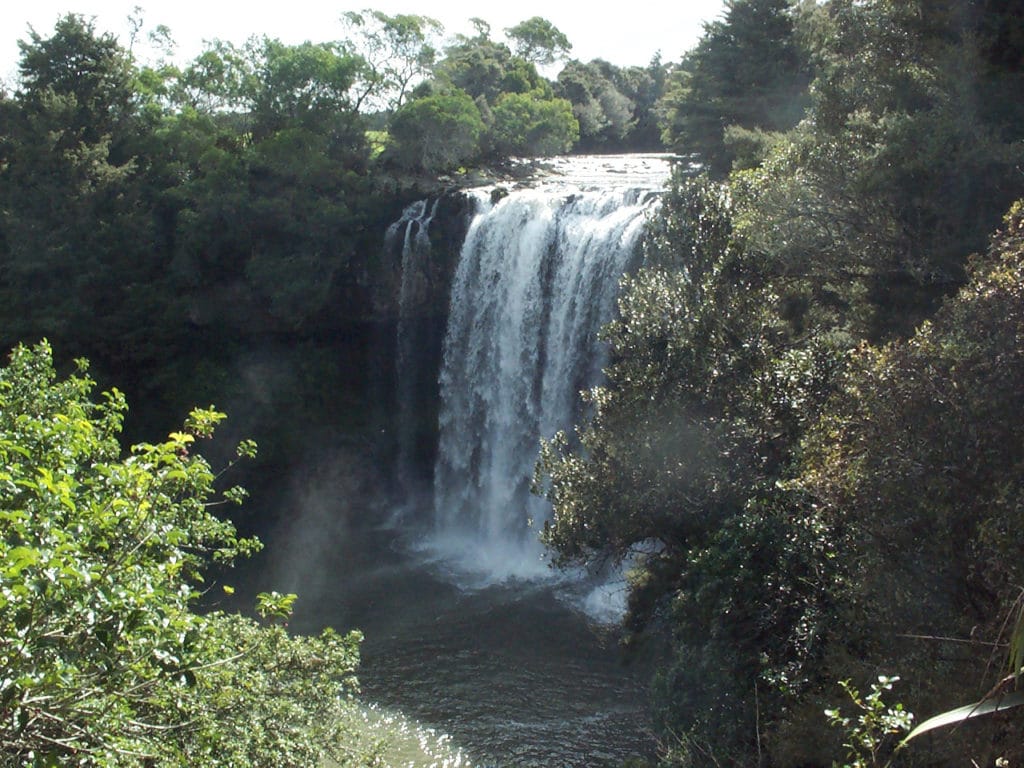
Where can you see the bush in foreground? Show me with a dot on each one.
(103, 660)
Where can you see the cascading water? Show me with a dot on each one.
(512, 674)
(412, 228)
(536, 280)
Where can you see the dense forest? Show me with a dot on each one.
(808, 446)
(810, 436)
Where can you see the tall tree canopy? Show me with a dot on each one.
(539, 41)
(748, 71)
(395, 52)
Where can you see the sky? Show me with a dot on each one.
(629, 35)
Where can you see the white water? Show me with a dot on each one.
(537, 278)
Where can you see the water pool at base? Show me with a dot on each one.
(510, 674)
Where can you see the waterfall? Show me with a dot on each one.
(413, 230)
(537, 278)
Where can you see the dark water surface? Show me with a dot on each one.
(512, 673)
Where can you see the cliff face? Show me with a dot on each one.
(410, 277)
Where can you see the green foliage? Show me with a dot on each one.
(268, 698)
(870, 736)
(676, 471)
(477, 66)
(650, 414)
(215, 81)
(539, 41)
(616, 106)
(920, 458)
(76, 237)
(487, 71)
(394, 51)
(104, 662)
(270, 200)
(750, 615)
(138, 205)
(898, 174)
(87, 74)
(748, 70)
(305, 86)
(797, 508)
(440, 132)
(530, 124)
(274, 605)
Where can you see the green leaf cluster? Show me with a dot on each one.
(102, 557)
(440, 132)
(870, 735)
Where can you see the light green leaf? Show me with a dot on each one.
(960, 714)
(21, 558)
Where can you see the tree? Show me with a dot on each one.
(691, 333)
(477, 66)
(216, 81)
(919, 458)
(539, 41)
(77, 236)
(748, 70)
(265, 184)
(604, 113)
(675, 473)
(304, 85)
(395, 52)
(88, 74)
(644, 86)
(530, 124)
(436, 133)
(101, 563)
(899, 171)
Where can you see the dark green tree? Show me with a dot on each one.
(86, 75)
(898, 174)
(437, 133)
(78, 240)
(300, 86)
(265, 182)
(476, 65)
(485, 68)
(919, 458)
(605, 113)
(748, 70)
(615, 106)
(676, 472)
(216, 81)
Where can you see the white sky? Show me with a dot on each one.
(629, 34)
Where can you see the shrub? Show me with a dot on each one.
(103, 660)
